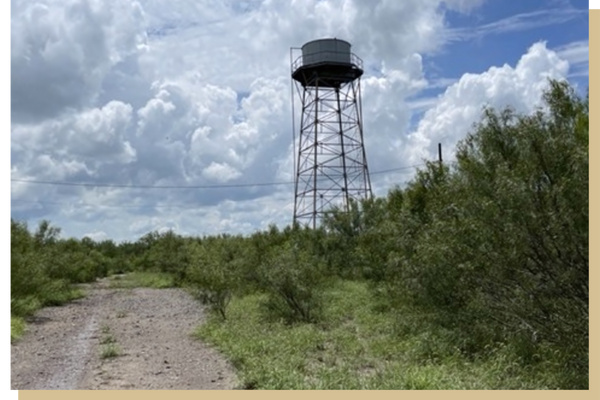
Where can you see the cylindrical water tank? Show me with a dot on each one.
(326, 51)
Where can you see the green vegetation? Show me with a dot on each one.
(17, 328)
(107, 339)
(110, 350)
(105, 329)
(474, 275)
(45, 269)
(357, 347)
(156, 280)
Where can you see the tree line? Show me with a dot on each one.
(492, 249)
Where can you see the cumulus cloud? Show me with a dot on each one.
(192, 93)
(220, 172)
(462, 103)
(61, 51)
(56, 149)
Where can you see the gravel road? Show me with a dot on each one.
(151, 329)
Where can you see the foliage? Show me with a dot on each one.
(155, 280)
(44, 267)
(496, 248)
(213, 272)
(493, 249)
(17, 328)
(354, 347)
(164, 253)
(484, 261)
(292, 276)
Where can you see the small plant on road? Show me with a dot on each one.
(110, 350)
(108, 339)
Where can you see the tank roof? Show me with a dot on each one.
(326, 63)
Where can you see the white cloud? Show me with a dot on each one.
(578, 55)
(462, 103)
(220, 172)
(60, 148)
(97, 236)
(518, 23)
(197, 92)
(61, 51)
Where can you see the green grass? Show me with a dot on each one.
(107, 339)
(154, 280)
(53, 297)
(357, 348)
(25, 306)
(58, 298)
(17, 328)
(110, 350)
(57, 294)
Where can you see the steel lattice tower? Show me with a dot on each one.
(331, 164)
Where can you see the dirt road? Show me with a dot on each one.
(119, 339)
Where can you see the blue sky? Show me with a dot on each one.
(196, 93)
(561, 23)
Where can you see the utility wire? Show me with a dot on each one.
(385, 171)
(224, 186)
(81, 205)
(140, 207)
(116, 185)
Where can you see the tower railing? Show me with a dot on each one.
(325, 57)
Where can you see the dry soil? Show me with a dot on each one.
(151, 329)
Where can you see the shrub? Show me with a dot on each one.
(212, 273)
(293, 279)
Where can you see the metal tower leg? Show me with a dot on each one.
(331, 164)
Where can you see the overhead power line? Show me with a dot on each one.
(163, 206)
(117, 185)
(385, 171)
(219, 186)
(90, 205)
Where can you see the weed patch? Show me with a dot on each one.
(155, 280)
(17, 328)
(354, 347)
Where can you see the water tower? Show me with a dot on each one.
(331, 164)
